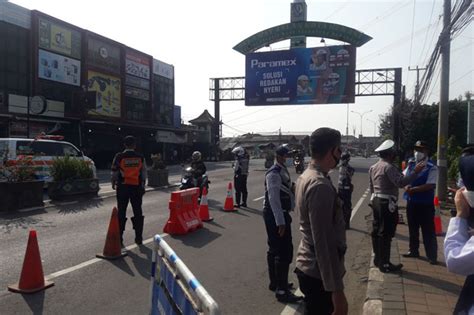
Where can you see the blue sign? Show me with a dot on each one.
(321, 75)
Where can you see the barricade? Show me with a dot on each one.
(184, 215)
(173, 288)
(437, 217)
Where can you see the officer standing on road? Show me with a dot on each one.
(420, 205)
(345, 187)
(385, 180)
(241, 172)
(128, 178)
(279, 201)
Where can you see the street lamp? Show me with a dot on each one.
(375, 125)
(361, 116)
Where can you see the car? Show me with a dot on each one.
(44, 150)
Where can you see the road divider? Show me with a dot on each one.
(184, 216)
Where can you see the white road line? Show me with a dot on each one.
(259, 198)
(359, 203)
(291, 309)
(93, 261)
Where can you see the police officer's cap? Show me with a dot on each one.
(129, 140)
(282, 150)
(386, 145)
(420, 144)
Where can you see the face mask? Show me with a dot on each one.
(419, 156)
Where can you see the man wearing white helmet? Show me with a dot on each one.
(241, 171)
(385, 179)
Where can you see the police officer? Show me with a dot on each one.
(420, 204)
(241, 171)
(128, 178)
(279, 201)
(345, 187)
(385, 180)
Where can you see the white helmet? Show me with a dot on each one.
(239, 151)
(196, 156)
(386, 145)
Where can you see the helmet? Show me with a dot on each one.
(386, 145)
(283, 150)
(196, 156)
(239, 151)
(346, 156)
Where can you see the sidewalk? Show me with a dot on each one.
(420, 288)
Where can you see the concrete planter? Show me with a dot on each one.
(157, 178)
(20, 195)
(73, 189)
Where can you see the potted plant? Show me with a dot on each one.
(158, 174)
(19, 187)
(71, 178)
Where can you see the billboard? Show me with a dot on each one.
(137, 65)
(321, 75)
(58, 68)
(60, 39)
(103, 55)
(108, 94)
(163, 69)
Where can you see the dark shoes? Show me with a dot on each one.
(273, 287)
(237, 205)
(139, 241)
(386, 268)
(288, 297)
(433, 261)
(244, 205)
(411, 255)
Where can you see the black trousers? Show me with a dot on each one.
(280, 250)
(132, 194)
(384, 225)
(422, 215)
(346, 196)
(240, 184)
(317, 300)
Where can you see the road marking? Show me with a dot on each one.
(259, 198)
(359, 203)
(291, 309)
(94, 260)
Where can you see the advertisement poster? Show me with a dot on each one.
(163, 69)
(103, 55)
(108, 94)
(59, 39)
(58, 68)
(137, 65)
(321, 75)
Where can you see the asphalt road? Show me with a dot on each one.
(227, 255)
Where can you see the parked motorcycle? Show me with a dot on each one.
(190, 180)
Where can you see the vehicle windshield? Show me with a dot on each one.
(43, 148)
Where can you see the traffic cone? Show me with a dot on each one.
(112, 248)
(31, 279)
(229, 200)
(437, 218)
(204, 207)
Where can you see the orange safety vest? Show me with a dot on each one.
(130, 164)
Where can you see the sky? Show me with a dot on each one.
(197, 38)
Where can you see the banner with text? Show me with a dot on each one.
(58, 38)
(59, 68)
(108, 89)
(321, 75)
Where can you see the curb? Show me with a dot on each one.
(374, 297)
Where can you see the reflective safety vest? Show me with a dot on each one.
(129, 164)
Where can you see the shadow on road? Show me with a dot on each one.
(199, 238)
(252, 210)
(433, 282)
(82, 206)
(215, 224)
(122, 265)
(19, 220)
(35, 302)
(142, 260)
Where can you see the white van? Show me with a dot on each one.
(44, 150)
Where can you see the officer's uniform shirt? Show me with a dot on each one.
(241, 166)
(432, 176)
(128, 167)
(277, 182)
(385, 178)
(345, 176)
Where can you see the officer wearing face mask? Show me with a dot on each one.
(420, 205)
(384, 180)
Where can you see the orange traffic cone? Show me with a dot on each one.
(229, 200)
(31, 279)
(204, 207)
(437, 218)
(112, 248)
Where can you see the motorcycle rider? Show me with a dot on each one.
(198, 166)
(241, 171)
(345, 187)
(298, 161)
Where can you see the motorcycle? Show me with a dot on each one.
(299, 165)
(189, 180)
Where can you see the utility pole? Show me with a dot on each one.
(444, 103)
(470, 119)
(417, 87)
(217, 115)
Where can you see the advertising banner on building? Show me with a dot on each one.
(137, 65)
(137, 82)
(163, 69)
(322, 75)
(58, 68)
(103, 55)
(108, 94)
(58, 38)
(137, 93)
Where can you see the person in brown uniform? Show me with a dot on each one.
(320, 257)
(384, 181)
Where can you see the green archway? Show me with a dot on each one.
(308, 29)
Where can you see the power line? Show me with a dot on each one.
(246, 115)
(461, 77)
(384, 15)
(412, 31)
(424, 42)
(337, 10)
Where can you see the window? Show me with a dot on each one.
(39, 148)
(70, 150)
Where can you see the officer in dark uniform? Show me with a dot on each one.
(385, 180)
(241, 172)
(345, 187)
(128, 178)
(420, 204)
(279, 201)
